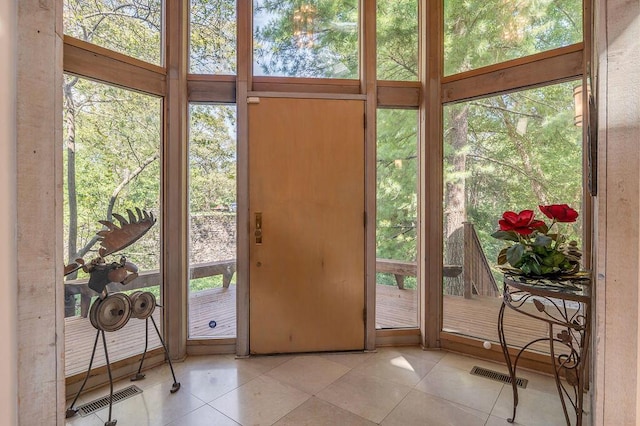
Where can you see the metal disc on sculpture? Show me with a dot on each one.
(143, 303)
(111, 313)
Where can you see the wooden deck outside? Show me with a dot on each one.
(396, 308)
(79, 336)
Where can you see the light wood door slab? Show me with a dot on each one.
(306, 172)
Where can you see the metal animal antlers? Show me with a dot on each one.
(117, 238)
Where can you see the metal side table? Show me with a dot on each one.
(565, 305)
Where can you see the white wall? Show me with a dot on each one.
(8, 283)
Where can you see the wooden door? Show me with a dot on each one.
(306, 180)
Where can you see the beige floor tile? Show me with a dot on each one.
(316, 412)
(157, 375)
(397, 367)
(497, 421)
(349, 359)
(420, 409)
(541, 382)
(366, 396)
(92, 395)
(308, 373)
(459, 386)
(535, 408)
(91, 420)
(466, 363)
(432, 355)
(263, 363)
(537, 381)
(155, 406)
(210, 381)
(194, 361)
(352, 389)
(204, 416)
(262, 401)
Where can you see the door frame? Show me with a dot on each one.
(244, 237)
(366, 88)
(316, 288)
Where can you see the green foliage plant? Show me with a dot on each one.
(536, 250)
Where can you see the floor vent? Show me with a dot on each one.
(499, 377)
(100, 403)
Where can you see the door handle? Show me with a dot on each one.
(258, 232)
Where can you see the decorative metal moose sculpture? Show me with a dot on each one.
(111, 312)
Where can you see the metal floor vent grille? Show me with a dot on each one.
(499, 377)
(100, 403)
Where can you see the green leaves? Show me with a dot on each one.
(553, 259)
(505, 235)
(542, 240)
(514, 254)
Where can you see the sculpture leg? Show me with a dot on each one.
(139, 375)
(176, 384)
(71, 411)
(106, 357)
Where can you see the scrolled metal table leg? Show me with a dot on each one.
(507, 358)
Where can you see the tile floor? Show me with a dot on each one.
(392, 387)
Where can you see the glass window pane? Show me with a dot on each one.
(133, 28)
(213, 37)
(306, 38)
(397, 210)
(510, 152)
(212, 221)
(397, 40)
(484, 32)
(112, 140)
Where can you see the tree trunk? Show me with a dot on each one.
(454, 197)
(70, 123)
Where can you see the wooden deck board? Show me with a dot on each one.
(128, 341)
(395, 308)
(478, 317)
(217, 304)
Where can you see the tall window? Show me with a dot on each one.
(397, 219)
(212, 221)
(509, 152)
(112, 164)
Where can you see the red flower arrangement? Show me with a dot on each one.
(537, 251)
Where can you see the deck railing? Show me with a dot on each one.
(476, 271)
(226, 268)
(477, 275)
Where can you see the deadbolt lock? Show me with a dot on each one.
(258, 232)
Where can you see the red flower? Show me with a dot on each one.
(559, 212)
(522, 222)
